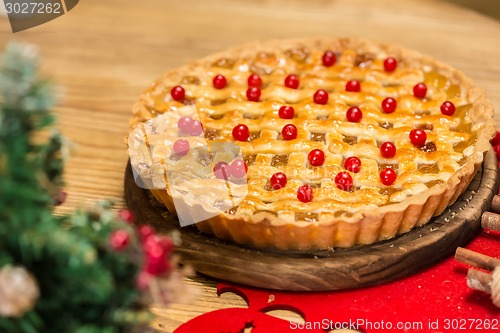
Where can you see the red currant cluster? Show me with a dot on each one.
(157, 249)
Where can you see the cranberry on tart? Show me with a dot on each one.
(343, 141)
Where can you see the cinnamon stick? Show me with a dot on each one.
(479, 280)
(490, 220)
(476, 259)
(495, 204)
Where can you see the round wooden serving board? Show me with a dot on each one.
(326, 270)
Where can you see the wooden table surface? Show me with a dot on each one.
(103, 53)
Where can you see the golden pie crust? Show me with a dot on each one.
(427, 183)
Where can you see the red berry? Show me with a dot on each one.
(352, 164)
(353, 86)
(418, 137)
(119, 239)
(286, 112)
(254, 81)
(343, 180)
(316, 157)
(305, 193)
(354, 114)
(241, 132)
(152, 243)
(278, 180)
(222, 170)
(329, 58)
(219, 81)
(127, 216)
(156, 261)
(185, 124)
(321, 97)
(253, 94)
(292, 81)
(181, 147)
(388, 150)
(239, 168)
(390, 64)
(496, 140)
(289, 132)
(196, 128)
(388, 176)
(389, 105)
(145, 231)
(142, 281)
(448, 108)
(420, 90)
(178, 93)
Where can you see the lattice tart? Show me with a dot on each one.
(338, 142)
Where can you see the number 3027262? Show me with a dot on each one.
(33, 8)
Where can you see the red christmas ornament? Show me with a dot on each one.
(418, 137)
(354, 114)
(253, 94)
(448, 108)
(420, 90)
(389, 105)
(388, 150)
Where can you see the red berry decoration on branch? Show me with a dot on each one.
(354, 114)
(278, 180)
(344, 181)
(219, 81)
(305, 193)
(420, 90)
(289, 132)
(388, 176)
(119, 239)
(353, 86)
(127, 216)
(316, 157)
(178, 93)
(388, 150)
(286, 112)
(254, 81)
(329, 58)
(292, 81)
(448, 108)
(390, 64)
(352, 164)
(241, 132)
(389, 105)
(418, 137)
(321, 97)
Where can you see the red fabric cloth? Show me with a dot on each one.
(434, 300)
